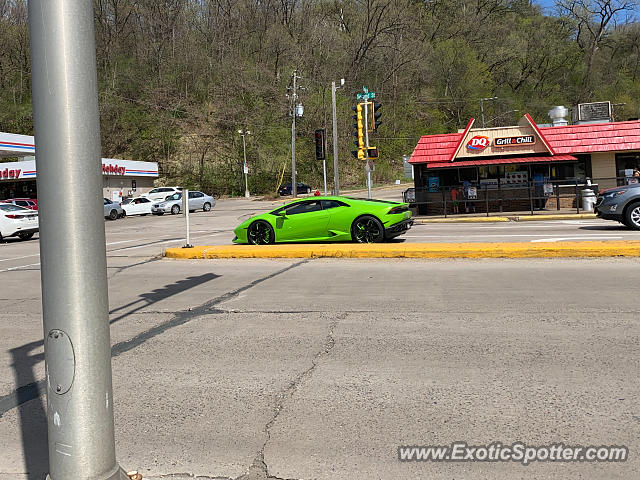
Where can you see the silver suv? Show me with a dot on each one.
(621, 204)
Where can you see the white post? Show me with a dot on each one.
(185, 206)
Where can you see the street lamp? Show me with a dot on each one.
(482, 109)
(243, 134)
(336, 184)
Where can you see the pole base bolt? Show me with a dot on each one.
(134, 475)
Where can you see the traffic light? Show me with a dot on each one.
(359, 131)
(372, 153)
(375, 115)
(320, 150)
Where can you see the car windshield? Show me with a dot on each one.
(126, 201)
(9, 207)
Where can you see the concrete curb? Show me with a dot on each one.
(425, 221)
(569, 216)
(516, 218)
(415, 250)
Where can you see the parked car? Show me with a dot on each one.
(621, 204)
(137, 206)
(173, 204)
(161, 193)
(112, 210)
(30, 203)
(16, 221)
(301, 188)
(327, 219)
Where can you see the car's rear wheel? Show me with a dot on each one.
(175, 210)
(367, 229)
(632, 216)
(113, 214)
(260, 233)
(25, 235)
(206, 207)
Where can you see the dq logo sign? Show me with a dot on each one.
(479, 142)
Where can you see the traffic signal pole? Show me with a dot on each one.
(366, 143)
(75, 304)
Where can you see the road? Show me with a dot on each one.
(150, 235)
(301, 369)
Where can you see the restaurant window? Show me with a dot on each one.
(489, 171)
(468, 174)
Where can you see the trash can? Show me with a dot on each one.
(588, 199)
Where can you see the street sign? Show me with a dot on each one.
(246, 168)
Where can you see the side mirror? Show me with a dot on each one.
(282, 214)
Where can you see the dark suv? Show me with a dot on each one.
(621, 204)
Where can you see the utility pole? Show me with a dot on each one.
(296, 110)
(336, 182)
(75, 304)
(243, 133)
(482, 108)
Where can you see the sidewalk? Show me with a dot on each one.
(521, 216)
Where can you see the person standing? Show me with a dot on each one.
(455, 193)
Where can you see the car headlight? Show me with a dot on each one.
(614, 194)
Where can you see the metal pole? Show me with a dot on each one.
(75, 303)
(294, 185)
(324, 171)
(185, 207)
(336, 183)
(244, 167)
(482, 111)
(366, 137)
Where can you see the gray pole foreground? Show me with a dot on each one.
(72, 243)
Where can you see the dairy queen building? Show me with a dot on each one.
(525, 166)
(120, 178)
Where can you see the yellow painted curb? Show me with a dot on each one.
(424, 221)
(415, 250)
(569, 216)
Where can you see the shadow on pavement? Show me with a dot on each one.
(28, 395)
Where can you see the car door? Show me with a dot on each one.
(196, 200)
(302, 221)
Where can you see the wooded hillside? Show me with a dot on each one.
(178, 78)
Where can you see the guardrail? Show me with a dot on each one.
(501, 197)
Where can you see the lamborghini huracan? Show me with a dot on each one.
(327, 219)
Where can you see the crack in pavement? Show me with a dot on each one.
(26, 393)
(259, 469)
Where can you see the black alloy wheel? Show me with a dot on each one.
(260, 233)
(367, 229)
(113, 214)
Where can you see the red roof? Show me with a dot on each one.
(572, 139)
(498, 161)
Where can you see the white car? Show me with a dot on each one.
(137, 206)
(161, 193)
(17, 221)
(173, 204)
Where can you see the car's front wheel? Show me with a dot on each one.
(260, 233)
(25, 235)
(367, 229)
(175, 210)
(206, 207)
(632, 216)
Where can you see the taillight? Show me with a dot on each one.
(400, 209)
(11, 216)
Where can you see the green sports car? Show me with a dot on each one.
(327, 219)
